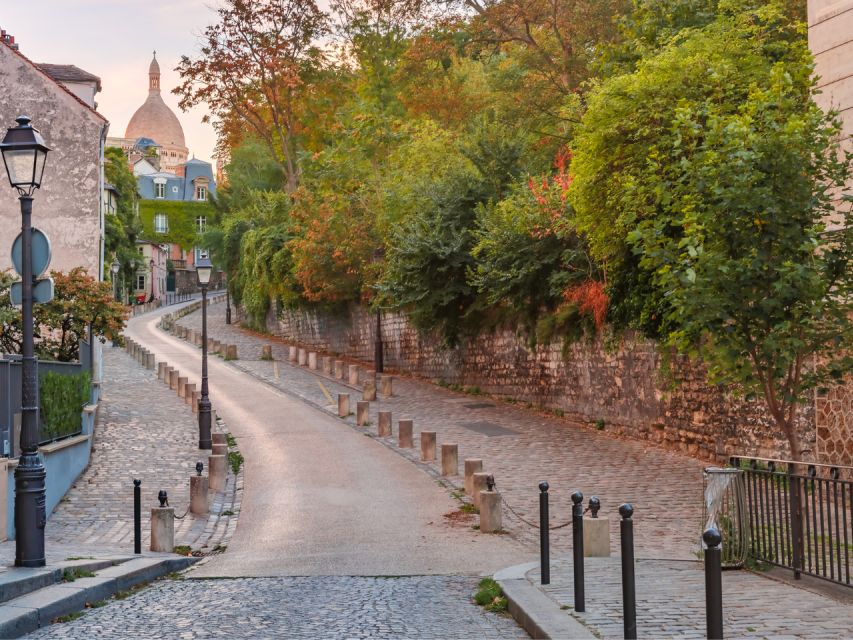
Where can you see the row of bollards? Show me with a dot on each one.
(713, 562)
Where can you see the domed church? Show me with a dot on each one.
(156, 121)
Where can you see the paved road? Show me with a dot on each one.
(311, 608)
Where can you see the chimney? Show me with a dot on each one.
(8, 39)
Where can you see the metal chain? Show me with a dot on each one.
(183, 516)
(524, 520)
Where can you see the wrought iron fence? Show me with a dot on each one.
(800, 516)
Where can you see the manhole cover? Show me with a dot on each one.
(480, 405)
(489, 429)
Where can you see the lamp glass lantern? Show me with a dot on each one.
(24, 154)
(114, 267)
(203, 270)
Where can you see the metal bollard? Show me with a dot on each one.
(577, 549)
(137, 517)
(629, 584)
(713, 583)
(544, 542)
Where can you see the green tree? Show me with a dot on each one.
(123, 227)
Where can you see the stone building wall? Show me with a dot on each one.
(623, 384)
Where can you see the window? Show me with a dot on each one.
(161, 223)
(200, 223)
(140, 282)
(159, 190)
(201, 193)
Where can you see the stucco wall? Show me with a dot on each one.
(67, 207)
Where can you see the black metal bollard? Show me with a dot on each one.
(577, 549)
(137, 517)
(713, 583)
(544, 533)
(629, 585)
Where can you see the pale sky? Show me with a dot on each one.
(114, 39)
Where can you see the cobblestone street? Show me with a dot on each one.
(320, 607)
(520, 447)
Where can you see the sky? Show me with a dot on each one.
(114, 40)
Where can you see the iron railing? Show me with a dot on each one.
(801, 516)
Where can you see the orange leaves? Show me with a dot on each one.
(591, 299)
(551, 192)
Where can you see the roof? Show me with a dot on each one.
(155, 120)
(68, 73)
(54, 81)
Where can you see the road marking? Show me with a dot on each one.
(325, 392)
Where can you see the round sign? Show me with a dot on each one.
(41, 253)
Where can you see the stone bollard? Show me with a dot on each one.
(343, 405)
(219, 438)
(326, 363)
(217, 470)
(339, 369)
(161, 370)
(490, 512)
(404, 434)
(480, 484)
(353, 374)
(182, 386)
(368, 390)
(472, 466)
(384, 427)
(150, 361)
(362, 413)
(163, 529)
(449, 459)
(167, 375)
(266, 352)
(198, 495)
(219, 450)
(174, 376)
(292, 353)
(596, 532)
(427, 446)
(189, 390)
(231, 352)
(217, 347)
(194, 401)
(303, 357)
(312, 360)
(386, 388)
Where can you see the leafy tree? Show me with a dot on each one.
(123, 227)
(710, 171)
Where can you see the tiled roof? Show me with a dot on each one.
(68, 73)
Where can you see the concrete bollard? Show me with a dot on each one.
(266, 352)
(327, 364)
(343, 405)
(219, 450)
(480, 484)
(217, 347)
(219, 438)
(163, 529)
(303, 357)
(596, 537)
(386, 388)
(427, 446)
(189, 390)
(161, 370)
(292, 353)
(353, 374)
(167, 375)
(194, 401)
(231, 352)
(368, 390)
(217, 471)
(472, 466)
(404, 434)
(174, 376)
(150, 361)
(312, 360)
(449, 459)
(362, 413)
(384, 427)
(198, 495)
(490, 512)
(339, 369)
(182, 386)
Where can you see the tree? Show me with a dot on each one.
(709, 171)
(123, 227)
(253, 66)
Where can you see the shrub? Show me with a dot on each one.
(62, 398)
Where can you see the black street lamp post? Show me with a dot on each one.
(114, 269)
(378, 360)
(24, 154)
(227, 304)
(203, 271)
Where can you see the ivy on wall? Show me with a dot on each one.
(181, 216)
(61, 399)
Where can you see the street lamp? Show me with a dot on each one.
(203, 271)
(114, 269)
(24, 154)
(227, 301)
(151, 265)
(378, 360)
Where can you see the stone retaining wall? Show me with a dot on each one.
(622, 385)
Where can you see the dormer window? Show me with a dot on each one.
(159, 190)
(201, 193)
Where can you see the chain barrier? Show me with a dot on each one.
(525, 520)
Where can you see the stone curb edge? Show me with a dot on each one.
(39, 608)
(534, 611)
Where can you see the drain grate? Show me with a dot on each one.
(489, 429)
(479, 405)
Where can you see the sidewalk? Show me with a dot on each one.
(520, 447)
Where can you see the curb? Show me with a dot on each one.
(534, 611)
(39, 608)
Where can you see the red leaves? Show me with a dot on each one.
(551, 192)
(590, 298)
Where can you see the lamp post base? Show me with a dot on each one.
(30, 511)
(205, 440)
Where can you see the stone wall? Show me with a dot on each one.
(622, 385)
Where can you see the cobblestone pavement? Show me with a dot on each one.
(144, 431)
(520, 447)
(319, 607)
(671, 602)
